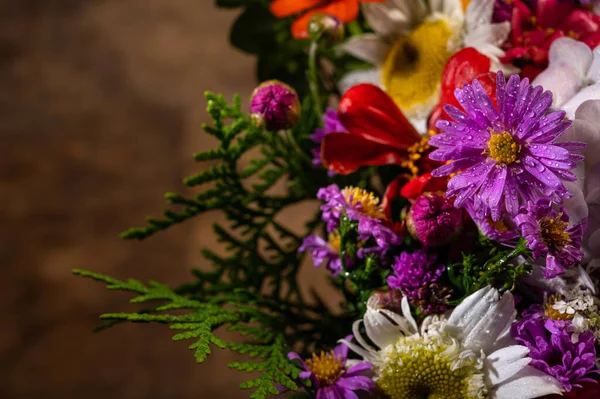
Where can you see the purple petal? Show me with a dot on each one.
(357, 383)
(358, 369)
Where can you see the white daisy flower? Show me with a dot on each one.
(469, 355)
(412, 42)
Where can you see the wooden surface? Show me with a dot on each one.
(100, 110)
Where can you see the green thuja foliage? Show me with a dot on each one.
(253, 289)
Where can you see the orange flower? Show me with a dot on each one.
(345, 10)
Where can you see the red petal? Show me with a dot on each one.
(423, 184)
(344, 153)
(392, 192)
(284, 8)
(549, 13)
(367, 111)
(345, 10)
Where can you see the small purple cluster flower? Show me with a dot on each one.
(413, 271)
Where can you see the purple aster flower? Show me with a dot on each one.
(324, 252)
(552, 350)
(433, 220)
(413, 271)
(275, 105)
(332, 376)
(549, 236)
(505, 156)
(501, 231)
(361, 206)
(331, 123)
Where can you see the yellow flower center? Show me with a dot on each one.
(503, 149)
(499, 226)
(552, 313)
(429, 368)
(412, 70)
(334, 241)
(366, 201)
(326, 367)
(554, 233)
(415, 154)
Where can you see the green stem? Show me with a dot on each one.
(313, 79)
(354, 28)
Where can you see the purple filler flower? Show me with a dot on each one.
(549, 236)
(413, 271)
(275, 105)
(324, 252)
(505, 156)
(330, 375)
(555, 353)
(331, 123)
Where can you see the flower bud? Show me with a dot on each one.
(387, 299)
(434, 220)
(327, 26)
(275, 105)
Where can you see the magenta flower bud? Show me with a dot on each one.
(327, 26)
(434, 220)
(275, 105)
(387, 299)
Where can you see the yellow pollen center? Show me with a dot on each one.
(415, 154)
(418, 370)
(499, 226)
(554, 233)
(334, 241)
(552, 313)
(412, 70)
(364, 200)
(503, 148)
(326, 367)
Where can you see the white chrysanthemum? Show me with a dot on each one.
(469, 355)
(413, 39)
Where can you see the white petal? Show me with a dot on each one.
(589, 111)
(479, 12)
(561, 80)
(394, 18)
(451, 9)
(498, 316)
(593, 73)
(357, 77)
(537, 279)
(405, 326)
(576, 207)
(471, 309)
(528, 384)
(407, 314)
(586, 131)
(506, 362)
(365, 354)
(487, 38)
(574, 53)
(380, 329)
(368, 47)
(589, 93)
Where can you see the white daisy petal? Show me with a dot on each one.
(487, 38)
(368, 47)
(529, 383)
(452, 9)
(498, 316)
(589, 112)
(575, 54)
(407, 314)
(357, 77)
(394, 18)
(576, 206)
(506, 362)
(467, 314)
(380, 329)
(479, 12)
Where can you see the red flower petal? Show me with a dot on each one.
(344, 153)
(423, 184)
(367, 111)
(549, 13)
(392, 192)
(345, 10)
(461, 69)
(284, 8)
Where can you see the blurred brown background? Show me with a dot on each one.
(101, 103)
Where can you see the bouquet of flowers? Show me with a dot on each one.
(454, 147)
